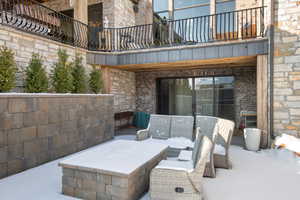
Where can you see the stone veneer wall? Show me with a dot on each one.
(35, 129)
(24, 44)
(245, 86)
(120, 13)
(122, 85)
(287, 68)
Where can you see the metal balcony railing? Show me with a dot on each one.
(30, 16)
(35, 18)
(235, 25)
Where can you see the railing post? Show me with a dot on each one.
(81, 15)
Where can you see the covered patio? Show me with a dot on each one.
(233, 88)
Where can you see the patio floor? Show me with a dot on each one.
(269, 174)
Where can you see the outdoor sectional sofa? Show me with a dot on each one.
(176, 131)
(164, 128)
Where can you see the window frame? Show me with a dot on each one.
(210, 4)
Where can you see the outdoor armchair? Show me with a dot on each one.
(209, 128)
(226, 129)
(176, 180)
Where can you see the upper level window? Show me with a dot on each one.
(191, 12)
(189, 3)
(161, 10)
(180, 9)
(225, 6)
(191, 8)
(160, 5)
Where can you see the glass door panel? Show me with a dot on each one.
(204, 92)
(175, 96)
(224, 97)
(211, 96)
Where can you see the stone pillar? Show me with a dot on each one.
(81, 10)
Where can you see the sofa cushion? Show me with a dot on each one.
(182, 126)
(206, 124)
(160, 126)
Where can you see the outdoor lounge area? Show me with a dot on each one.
(269, 174)
(166, 161)
(149, 99)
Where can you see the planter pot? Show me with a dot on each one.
(252, 138)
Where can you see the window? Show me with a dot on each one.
(213, 96)
(225, 20)
(189, 3)
(225, 6)
(160, 5)
(180, 9)
(161, 10)
(191, 12)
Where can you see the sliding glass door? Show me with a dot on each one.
(175, 96)
(204, 91)
(224, 97)
(211, 96)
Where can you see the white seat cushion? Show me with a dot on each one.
(187, 155)
(219, 149)
(176, 165)
(176, 143)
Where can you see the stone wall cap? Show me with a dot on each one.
(13, 95)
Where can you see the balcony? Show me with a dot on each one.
(33, 17)
(228, 26)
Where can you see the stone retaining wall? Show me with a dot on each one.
(35, 129)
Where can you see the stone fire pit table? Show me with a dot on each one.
(117, 170)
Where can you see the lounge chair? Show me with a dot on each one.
(219, 158)
(226, 129)
(177, 180)
(209, 129)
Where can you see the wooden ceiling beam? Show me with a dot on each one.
(243, 61)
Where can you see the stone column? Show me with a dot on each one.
(81, 10)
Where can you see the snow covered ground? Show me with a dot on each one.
(267, 175)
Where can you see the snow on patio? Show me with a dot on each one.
(269, 174)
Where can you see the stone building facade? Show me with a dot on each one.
(244, 87)
(287, 68)
(122, 85)
(120, 13)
